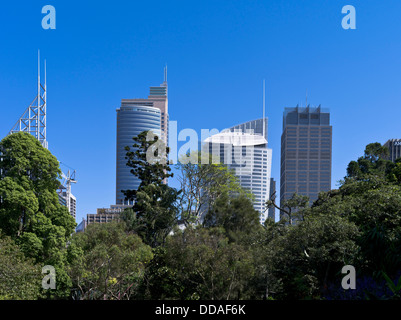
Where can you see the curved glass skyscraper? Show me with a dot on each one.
(132, 119)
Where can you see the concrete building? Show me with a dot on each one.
(394, 147)
(243, 149)
(62, 199)
(104, 215)
(306, 152)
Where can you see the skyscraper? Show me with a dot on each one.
(132, 120)
(158, 98)
(306, 148)
(133, 117)
(394, 148)
(243, 149)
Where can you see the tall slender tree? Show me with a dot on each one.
(154, 201)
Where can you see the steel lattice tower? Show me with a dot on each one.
(33, 120)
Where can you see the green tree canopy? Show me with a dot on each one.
(21, 278)
(203, 181)
(30, 212)
(206, 266)
(106, 262)
(155, 203)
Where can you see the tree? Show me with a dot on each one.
(20, 277)
(106, 262)
(235, 214)
(291, 208)
(156, 213)
(373, 162)
(30, 212)
(311, 254)
(148, 160)
(202, 183)
(370, 197)
(207, 266)
(154, 201)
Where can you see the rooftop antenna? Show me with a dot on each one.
(44, 113)
(264, 107)
(165, 73)
(306, 98)
(33, 120)
(38, 97)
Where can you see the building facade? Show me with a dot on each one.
(104, 215)
(394, 148)
(243, 149)
(81, 226)
(306, 152)
(71, 205)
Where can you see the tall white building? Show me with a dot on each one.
(243, 148)
(71, 204)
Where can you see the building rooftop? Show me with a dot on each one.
(237, 139)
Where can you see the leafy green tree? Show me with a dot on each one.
(154, 201)
(30, 212)
(20, 277)
(235, 214)
(370, 197)
(163, 282)
(373, 162)
(156, 213)
(311, 253)
(106, 262)
(203, 181)
(207, 266)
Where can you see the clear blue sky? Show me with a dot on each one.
(218, 53)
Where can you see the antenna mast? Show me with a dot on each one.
(264, 107)
(33, 120)
(306, 98)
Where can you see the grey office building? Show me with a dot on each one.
(306, 150)
(394, 147)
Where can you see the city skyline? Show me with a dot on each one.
(216, 67)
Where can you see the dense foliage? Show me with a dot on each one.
(203, 241)
(30, 213)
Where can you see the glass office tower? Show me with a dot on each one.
(132, 119)
(306, 149)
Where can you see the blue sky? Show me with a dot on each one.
(218, 53)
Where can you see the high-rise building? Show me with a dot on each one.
(306, 149)
(70, 203)
(158, 98)
(394, 147)
(133, 117)
(243, 149)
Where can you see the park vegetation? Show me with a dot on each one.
(203, 241)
